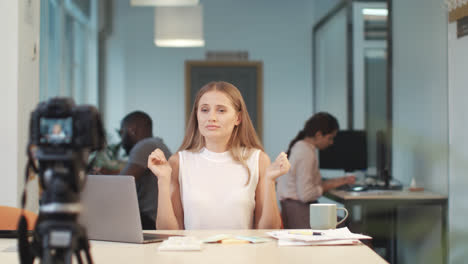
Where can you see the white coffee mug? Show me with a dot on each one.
(323, 216)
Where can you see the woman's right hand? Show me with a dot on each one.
(351, 179)
(159, 165)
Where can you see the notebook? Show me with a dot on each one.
(110, 210)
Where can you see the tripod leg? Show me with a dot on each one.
(78, 257)
(88, 256)
(85, 248)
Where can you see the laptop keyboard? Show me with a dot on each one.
(148, 237)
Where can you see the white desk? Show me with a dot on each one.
(269, 253)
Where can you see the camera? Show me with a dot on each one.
(58, 125)
(64, 135)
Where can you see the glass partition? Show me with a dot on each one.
(350, 72)
(330, 54)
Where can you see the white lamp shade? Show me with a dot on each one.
(179, 26)
(163, 2)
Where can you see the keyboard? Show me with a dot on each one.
(353, 188)
(371, 183)
(181, 243)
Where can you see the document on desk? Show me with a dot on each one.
(339, 236)
(224, 238)
(283, 242)
(10, 249)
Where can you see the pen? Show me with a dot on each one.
(307, 233)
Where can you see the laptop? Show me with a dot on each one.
(110, 210)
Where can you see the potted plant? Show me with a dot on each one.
(109, 160)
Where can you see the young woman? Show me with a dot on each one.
(220, 178)
(303, 184)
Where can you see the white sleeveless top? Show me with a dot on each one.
(213, 190)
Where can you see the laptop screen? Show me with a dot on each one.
(110, 208)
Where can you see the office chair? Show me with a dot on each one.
(9, 217)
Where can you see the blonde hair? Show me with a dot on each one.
(243, 136)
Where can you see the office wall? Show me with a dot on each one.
(420, 95)
(420, 119)
(458, 124)
(19, 70)
(139, 75)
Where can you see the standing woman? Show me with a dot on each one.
(220, 178)
(303, 184)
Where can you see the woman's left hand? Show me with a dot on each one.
(279, 167)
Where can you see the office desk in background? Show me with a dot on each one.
(376, 213)
(263, 253)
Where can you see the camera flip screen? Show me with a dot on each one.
(56, 130)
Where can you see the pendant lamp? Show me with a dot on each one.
(163, 2)
(180, 26)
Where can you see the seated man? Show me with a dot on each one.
(136, 132)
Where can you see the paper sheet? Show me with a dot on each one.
(13, 248)
(319, 243)
(340, 236)
(220, 237)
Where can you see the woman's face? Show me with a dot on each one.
(216, 116)
(324, 141)
(56, 129)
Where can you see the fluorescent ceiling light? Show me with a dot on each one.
(163, 2)
(179, 43)
(179, 26)
(375, 11)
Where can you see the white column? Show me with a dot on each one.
(9, 105)
(19, 86)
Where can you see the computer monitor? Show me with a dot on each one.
(348, 153)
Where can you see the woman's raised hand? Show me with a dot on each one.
(159, 165)
(279, 167)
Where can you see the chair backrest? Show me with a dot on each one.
(9, 217)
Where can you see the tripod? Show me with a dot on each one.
(55, 241)
(57, 234)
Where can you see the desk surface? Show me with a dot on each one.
(268, 253)
(340, 195)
